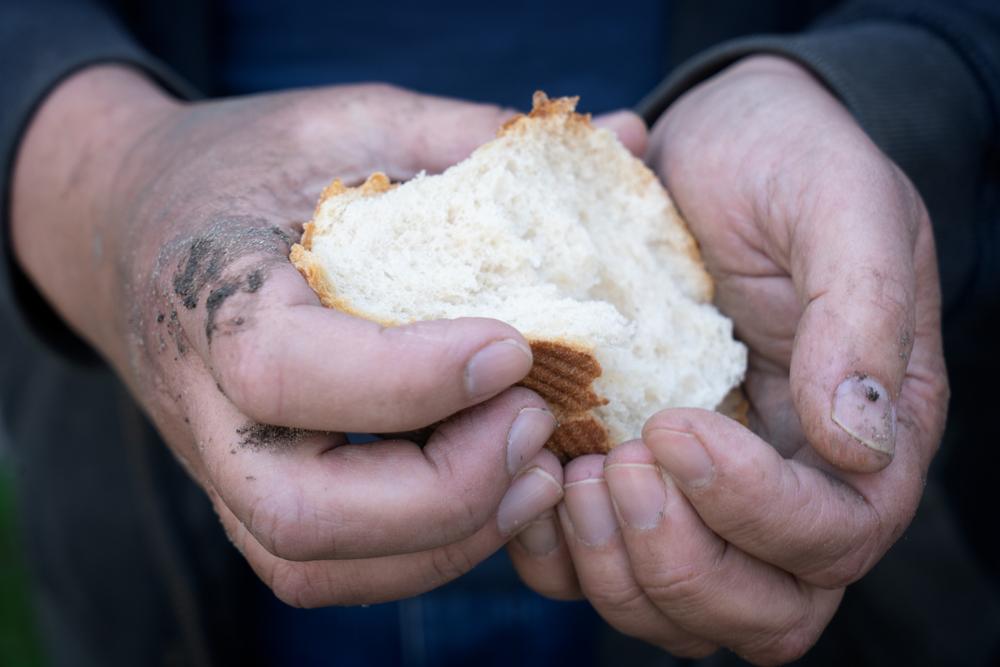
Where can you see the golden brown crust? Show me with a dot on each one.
(311, 270)
(543, 107)
(578, 437)
(563, 374)
(307, 235)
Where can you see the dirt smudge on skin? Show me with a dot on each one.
(254, 280)
(256, 436)
(201, 264)
(214, 301)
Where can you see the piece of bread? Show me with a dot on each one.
(555, 228)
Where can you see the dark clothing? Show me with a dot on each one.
(130, 564)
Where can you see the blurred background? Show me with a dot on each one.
(19, 643)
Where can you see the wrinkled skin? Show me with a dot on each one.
(705, 533)
(167, 247)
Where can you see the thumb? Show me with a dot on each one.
(853, 264)
(423, 132)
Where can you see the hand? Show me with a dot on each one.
(160, 231)
(823, 256)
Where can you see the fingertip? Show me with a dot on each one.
(865, 409)
(584, 468)
(630, 452)
(628, 126)
(496, 366)
(535, 490)
(853, 426)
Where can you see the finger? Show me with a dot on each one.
(424, 132)
(603, 567)
(853, 267)
(781, 511)
(542, 560)
(284, 359)
(304, 497)
(368, 580)
(703, 584)
(628, 127)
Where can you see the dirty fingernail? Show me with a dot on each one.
(496, 367)
(683, 456)
(863, 408)
(590, 512)
(528, 434)
(638, 493)
(540, 538)
(531, 493)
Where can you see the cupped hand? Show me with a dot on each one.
(706, 533)
(176, 269)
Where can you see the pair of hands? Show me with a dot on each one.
(170, 232)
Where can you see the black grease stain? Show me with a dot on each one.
(871, 393)
(266, 436)
(202, 266)
(206, 258)
(214, 301)
(160, 317)
(176, 333)
(254, 280)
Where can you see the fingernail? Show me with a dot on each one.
(540, 538)
(496, 367)
(638, 492)
(683, 456)
(590, 512)
(863, 408)
(531, 493)
(528, 434)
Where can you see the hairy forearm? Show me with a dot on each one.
(70, 164)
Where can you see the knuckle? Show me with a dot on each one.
(679, 586)
(277, 523)
(843, 572)
(615, 597)
(448, 563)
(290, 584)
(467, 509)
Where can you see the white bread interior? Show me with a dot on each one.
(555, 228)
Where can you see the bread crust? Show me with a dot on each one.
(563, 372)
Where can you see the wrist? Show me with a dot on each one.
(67, 169)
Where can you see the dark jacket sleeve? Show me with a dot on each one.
(42, 43)
(923, 79)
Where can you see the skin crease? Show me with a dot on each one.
(160, 232)
(823, 255)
